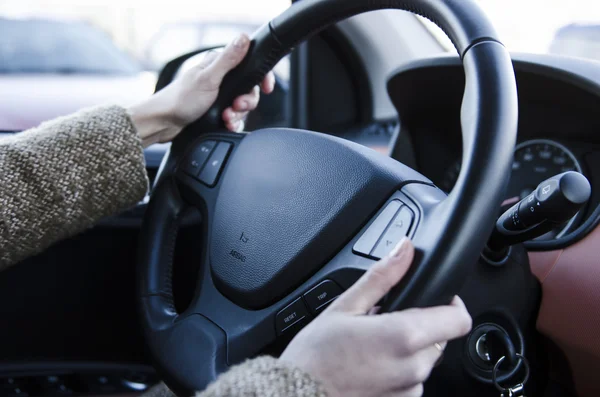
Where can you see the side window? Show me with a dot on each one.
(58, 56)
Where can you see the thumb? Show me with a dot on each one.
(228, 59)
(377, 281)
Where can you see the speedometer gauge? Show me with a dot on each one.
(534, 161)
(537, 160)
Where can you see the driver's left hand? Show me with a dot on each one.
(161, 117)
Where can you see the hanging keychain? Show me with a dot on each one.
(518, 390)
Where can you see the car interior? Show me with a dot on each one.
(487, 159)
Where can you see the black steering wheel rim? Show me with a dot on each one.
(190, 349)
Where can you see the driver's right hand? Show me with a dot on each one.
(354, 353)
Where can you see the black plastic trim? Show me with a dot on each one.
(35, 367)
(347, 53)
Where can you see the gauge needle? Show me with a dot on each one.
(510, 201)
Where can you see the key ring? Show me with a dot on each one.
(494, 372)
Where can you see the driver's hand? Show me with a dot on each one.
(353, 353)
(162, 116)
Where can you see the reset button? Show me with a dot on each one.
(289, 316)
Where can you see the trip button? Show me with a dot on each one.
(397, 229)
(291, 315)
(321, 295)
(195, 160)
(211, 170)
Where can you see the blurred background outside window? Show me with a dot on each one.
(562, 27)
(57, 56)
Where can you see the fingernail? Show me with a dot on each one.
(399, 248)
(240, 41)
(240, 126)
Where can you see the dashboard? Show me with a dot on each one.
(559, 128)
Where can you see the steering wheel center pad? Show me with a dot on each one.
(288, 200)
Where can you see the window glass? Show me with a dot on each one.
(58, 56)
(559, 27)
(59, 48)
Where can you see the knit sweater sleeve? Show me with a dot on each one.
(62, 177)
(260, 377)
(264, 376)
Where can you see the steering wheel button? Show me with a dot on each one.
(367, 241)
(291, 315)
(321, 295)
(397, 229)
(197, 158)
(211, 170)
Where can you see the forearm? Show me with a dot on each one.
(154, 120)
(62, 177)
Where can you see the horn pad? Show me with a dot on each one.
(289, 201)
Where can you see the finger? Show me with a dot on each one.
(456, 301)
(415, 391)
(268, 84)
(441, 347)
(377, 281)
(232, 126)
(247, 102)
(231, 56)
(208, 58)
(230, 115)
(423, 363)
(416, 329)
(236, 126)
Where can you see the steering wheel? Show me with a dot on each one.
(291, 218)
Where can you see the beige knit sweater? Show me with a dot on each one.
(62, 177)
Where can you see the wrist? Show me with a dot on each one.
(153, 120)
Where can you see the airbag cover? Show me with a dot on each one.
(289, 201)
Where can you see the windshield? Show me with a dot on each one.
(560, 27)
(46, 46)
